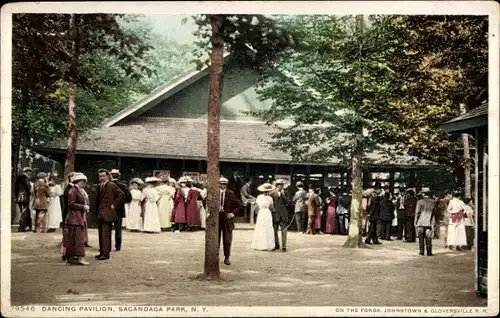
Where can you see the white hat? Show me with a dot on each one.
(152, 179)
(223, 180)
(266, 187)
(299, 184)
(182, 180)
(115, 171)
(425, 190)
(77, 177)
(187, 179)
(280, 181)
(26, 169)
(137, 180)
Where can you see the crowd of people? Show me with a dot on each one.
(155, 205)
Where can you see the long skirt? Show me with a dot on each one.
(203, 215)
(151, 218)
(263, 235)
(54, 214)
(74, 240)
(456, 234)
(330, 220)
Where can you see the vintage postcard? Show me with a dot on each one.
(258, 159)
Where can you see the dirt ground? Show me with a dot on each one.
(155, 269)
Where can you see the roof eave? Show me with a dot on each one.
(223, 159)
(465, 125)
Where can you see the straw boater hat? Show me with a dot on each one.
(182, 180)
(41, 175)
(115, 171)
(26, 169)
(266, 187)
(299, 184)
(223, 180)
(151, 179)
(77, 177)
(425, 190)
(280, 181)
(137, 180)
(187, 179)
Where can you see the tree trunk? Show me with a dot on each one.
(211, 269)
(69, 165)
(16, 149)
(355, 237)
(467, 160)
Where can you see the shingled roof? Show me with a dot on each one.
(474, 118)
(178, 138)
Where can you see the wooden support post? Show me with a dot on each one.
(199, 166)
(366, 178)
(276, 169)
(391, 181)
(247, 170)
(308, 175)
(157, 163)
(183, 166)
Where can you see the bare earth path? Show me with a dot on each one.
(154, 269)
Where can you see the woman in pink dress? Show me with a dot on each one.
(330, 216)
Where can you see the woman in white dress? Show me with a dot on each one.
(456, 228)
(150, 196)
(127, 210)
(201, 208)
(166, 192)
(134, 219)
(54, 213)
(263, 235)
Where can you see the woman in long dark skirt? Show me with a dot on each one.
(78, 206)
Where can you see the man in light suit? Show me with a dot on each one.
(299, 200)
(280, 214)
(246, 199)
(425, 220)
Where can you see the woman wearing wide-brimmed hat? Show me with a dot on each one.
(150, 196)
(165, 203)
(78, 206)
(134, 219)
(263, 235)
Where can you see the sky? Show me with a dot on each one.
(172, 27)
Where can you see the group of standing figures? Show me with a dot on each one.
(419, 217)
(38, 202)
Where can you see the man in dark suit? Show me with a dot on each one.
(386, 216)
(410, 207)
(22, 191)
(280, 214)
(120, 210)
(229, 205)
(373, 216)
(107, 197)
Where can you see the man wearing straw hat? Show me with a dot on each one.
(229, 205)
(280, 214)
(425, 220)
